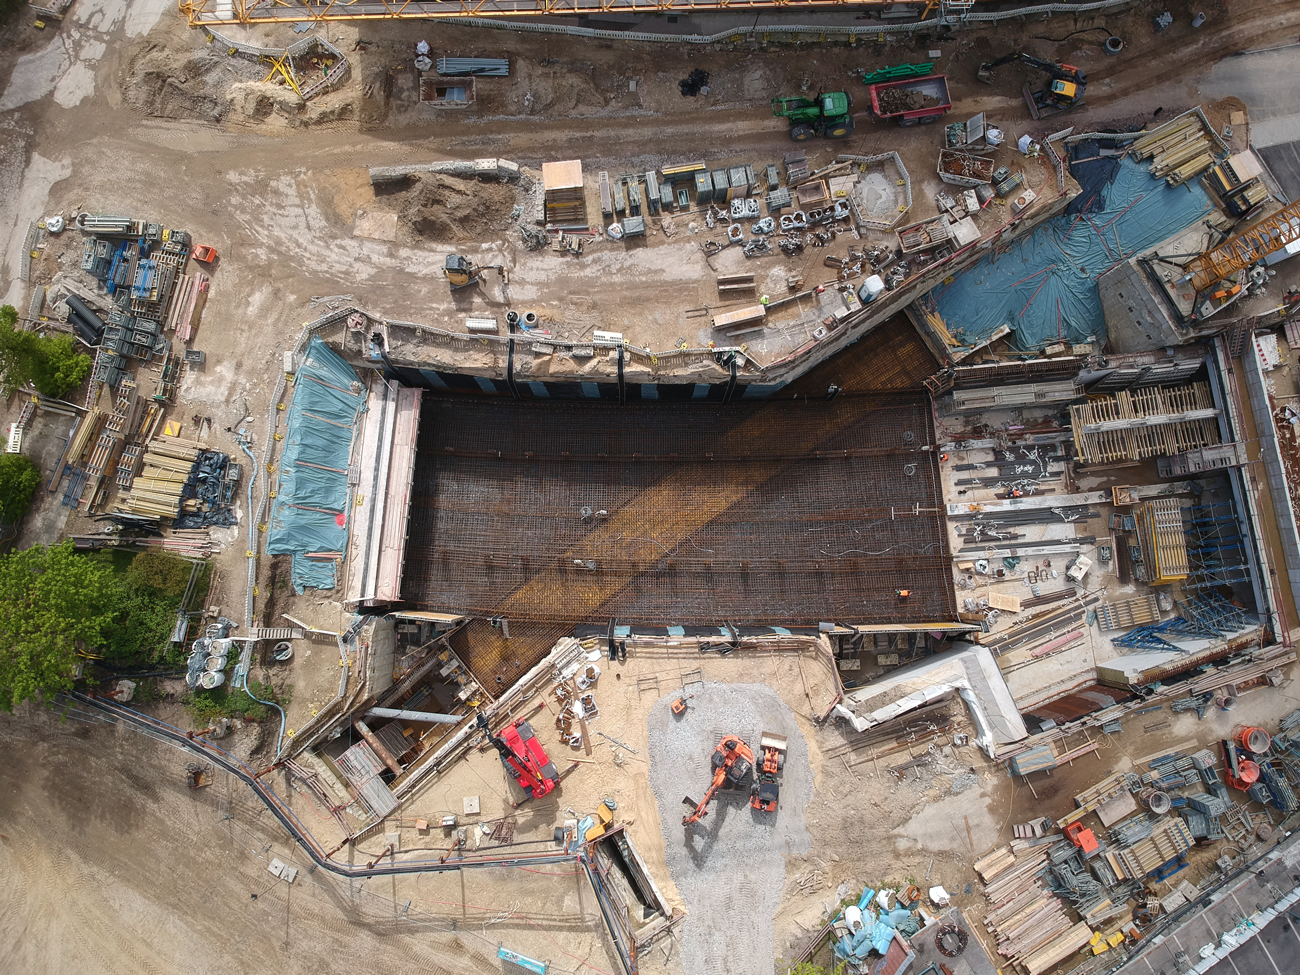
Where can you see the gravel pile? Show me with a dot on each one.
(730, 867)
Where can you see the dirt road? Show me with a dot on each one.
(114, 866)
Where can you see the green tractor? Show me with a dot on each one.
(826, 115)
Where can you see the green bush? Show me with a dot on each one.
(61, 367)
(9, 9)
(164, 574)
(223, 702)
(142, 626)
(19, 479)
(53, 602)
(50, 363)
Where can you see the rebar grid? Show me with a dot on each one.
(787, 512)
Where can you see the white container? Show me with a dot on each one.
(215, 663)
(211, 679)
(221, 647)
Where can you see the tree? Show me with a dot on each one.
(50, 363)
(19, 479)
(51, 600)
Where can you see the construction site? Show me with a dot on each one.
(796, 489)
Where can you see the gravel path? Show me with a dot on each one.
(729, 868)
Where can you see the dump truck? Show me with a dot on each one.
(766, 791)
(826, 115)
(912, 101)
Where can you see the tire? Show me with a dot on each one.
(840, 130)
(928, 120)
(802, 133)
(907, 123)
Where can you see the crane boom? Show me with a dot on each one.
(1270, 234)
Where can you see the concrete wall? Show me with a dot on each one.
(379, 665)
(1271, 453)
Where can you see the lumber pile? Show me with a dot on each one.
(156, 490)
(1178, 150)
(189, 542)
(1028, 920)
(181, 317)
(1056, 951)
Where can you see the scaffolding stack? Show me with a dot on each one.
(1158, 421)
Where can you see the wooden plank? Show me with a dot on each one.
(750, 313)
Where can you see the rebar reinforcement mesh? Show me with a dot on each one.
(774, 512)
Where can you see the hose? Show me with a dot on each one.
(240, 681)
(297, 830)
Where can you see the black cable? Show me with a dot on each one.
(1058, 40)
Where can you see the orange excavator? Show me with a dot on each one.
(733, 764)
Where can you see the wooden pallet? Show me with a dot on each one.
(1128, 613)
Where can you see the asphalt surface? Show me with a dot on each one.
(1272, 951)
(1270, 86)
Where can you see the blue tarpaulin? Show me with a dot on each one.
(310, 511)
(1044, 285)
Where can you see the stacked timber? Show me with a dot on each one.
(181, 317)
(1050, 955)
(1178, 150)
(1028, 920)
(167, 466)
(188, 542)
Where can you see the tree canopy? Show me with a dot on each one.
(51, 600)
(51, 363)
(19, 479)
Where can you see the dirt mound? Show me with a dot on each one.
(447, 208)
(257, 101)
(894, 100)
(162, 84)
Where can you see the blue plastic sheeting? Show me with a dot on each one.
(1044, 286)
(310, 511)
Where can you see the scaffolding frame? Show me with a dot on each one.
(1216, 550)
(1204, 616)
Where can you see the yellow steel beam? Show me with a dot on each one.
(209, 12)
(1270, 234)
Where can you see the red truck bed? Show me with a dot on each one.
(935, 85)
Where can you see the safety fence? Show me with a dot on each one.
(872, 223)
(803, 34)
(949, 16)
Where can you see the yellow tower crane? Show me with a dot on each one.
(1251, 245)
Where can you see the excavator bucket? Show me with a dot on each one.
(985, 73)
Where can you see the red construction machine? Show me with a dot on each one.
(524, 758)
(733, 763)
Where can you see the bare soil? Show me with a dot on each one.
(115, 866)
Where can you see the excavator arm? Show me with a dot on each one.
(701, 809)
(1058, 72)
(733, 762)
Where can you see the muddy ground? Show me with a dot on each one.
(121, 108)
